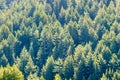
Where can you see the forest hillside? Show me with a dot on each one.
(59, 39)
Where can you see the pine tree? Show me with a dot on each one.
(32, 76)
(47, 70)
(30, 67)
(68, 67)
(81, 71)
(25, 63)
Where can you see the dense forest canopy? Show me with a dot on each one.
(59, 40)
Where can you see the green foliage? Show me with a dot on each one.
(42, 78)
(68, 67)
(33, 76)
(11, 73)
(47, 70)
(58, 68)
(111, 75)
(57, 77)
(25, 63)
(80, 73)
(3, 61)
(61, 39)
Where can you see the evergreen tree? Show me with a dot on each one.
(81, 71)
(32, 76)
(47, 70)
(25, 63)
(68, 67)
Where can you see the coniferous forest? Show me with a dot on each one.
(59, 39)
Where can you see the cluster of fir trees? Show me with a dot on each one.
(60, 39)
